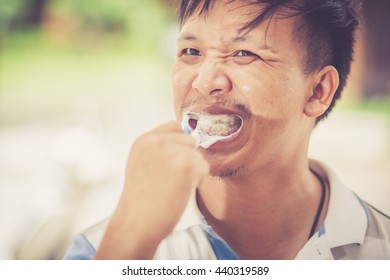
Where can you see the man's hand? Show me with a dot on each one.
(163, 168)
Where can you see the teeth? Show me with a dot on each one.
(211, 128)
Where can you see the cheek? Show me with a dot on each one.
(181, 86)
(255, 86)
(269, 98)
(262, 98)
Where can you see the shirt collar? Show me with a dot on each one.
(346, 221)
(191, 215)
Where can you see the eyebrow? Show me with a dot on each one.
(242, 38)
(235, 39)
(187, 37)
(190, 37)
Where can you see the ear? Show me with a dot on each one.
(326, 82)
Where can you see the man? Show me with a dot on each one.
(251, 79)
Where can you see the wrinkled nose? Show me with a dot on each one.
(211, 79)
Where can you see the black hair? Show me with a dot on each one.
(325, 29)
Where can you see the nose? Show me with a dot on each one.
(211, 79)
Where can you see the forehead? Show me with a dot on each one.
(239, 13)
(227, 19)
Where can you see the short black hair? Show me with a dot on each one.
(326, 30)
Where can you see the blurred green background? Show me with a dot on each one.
(45, 43)
(54, 50)
(80, 80)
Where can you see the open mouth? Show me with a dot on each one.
(208, 129)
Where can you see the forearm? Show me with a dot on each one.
(163, 167)
(126, 239)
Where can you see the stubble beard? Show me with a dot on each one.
(227, 174)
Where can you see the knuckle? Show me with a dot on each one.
(146, 140)
(181, 163)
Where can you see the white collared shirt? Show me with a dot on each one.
(351, 230)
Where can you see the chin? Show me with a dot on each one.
(223, 165)
(223, 171)
(226, 174)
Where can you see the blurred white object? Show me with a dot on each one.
(357, 146)
(81, 151)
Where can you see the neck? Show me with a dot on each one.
(255, 214)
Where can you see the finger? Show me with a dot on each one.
(172, 126)
(168, 134)
(201, 168)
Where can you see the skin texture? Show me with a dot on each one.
(256, 191)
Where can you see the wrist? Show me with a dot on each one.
(127, 239)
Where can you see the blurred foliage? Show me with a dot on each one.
(102, 14)
(9, 10)
(141, 22)
(377, 105)
(107, 49)
(77, 41)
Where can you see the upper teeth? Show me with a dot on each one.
(216, 125)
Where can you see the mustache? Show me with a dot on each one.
(236, 105)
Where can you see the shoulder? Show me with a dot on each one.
(187, 241)
(376, 243)
(84, 244)
(182, 244)
(189, 244)
(94, 234)
(80, 249)
(353, 228)
(379, 223)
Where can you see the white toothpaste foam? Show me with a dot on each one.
(210, 128)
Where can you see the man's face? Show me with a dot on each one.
(257, 75)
